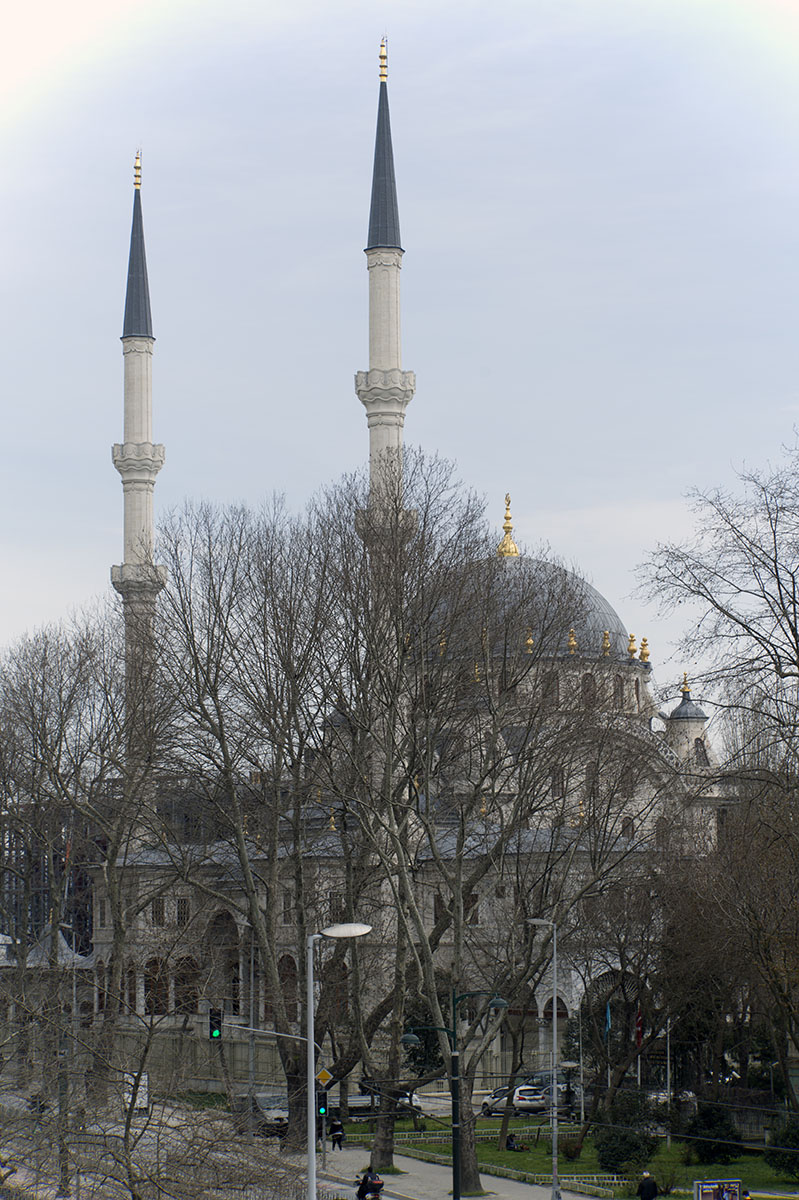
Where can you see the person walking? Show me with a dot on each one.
(335, 1132)
(647, 1188)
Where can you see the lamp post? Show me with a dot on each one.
(410, 1039)
(353, 930)
(554, 1078)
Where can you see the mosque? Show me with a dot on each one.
(599, 667)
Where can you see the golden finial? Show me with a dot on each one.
(507, 548)
(383, 60)
(606, 643)
(483, 806)
(137, 170)
(572, 642)
(442, 644)
(332, 823)
(644, 655)
(632, 649)
(476, 671)
(685, 688)
(529, 641)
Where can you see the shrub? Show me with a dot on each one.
(713, 1136)
(570, 1148)
(783, 1152)
(624, 1139)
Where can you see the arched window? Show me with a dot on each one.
(618, 692)
(186, 986)
(700, 753)
(550, 690)
(287, 973)
(588, 691)
(558, 783)
(638, 695)
(662, 833)
(628, 828)
(563, 1012)
(156, 987)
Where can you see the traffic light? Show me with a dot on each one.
(321, 1102)
(215, 1023)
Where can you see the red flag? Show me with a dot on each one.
(639, 1029)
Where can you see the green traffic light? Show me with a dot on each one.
(216, 1033)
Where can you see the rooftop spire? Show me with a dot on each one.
(138, 321)
(384, 230)
(507, 548)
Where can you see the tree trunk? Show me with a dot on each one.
(471, 1184)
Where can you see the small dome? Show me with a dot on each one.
(688, 709)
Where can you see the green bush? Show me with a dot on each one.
(712, 1135)
(624, 1136)
(782, 1155)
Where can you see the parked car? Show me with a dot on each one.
(270, 1113)
(525, 1099)
(367, 1105)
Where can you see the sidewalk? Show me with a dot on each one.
(422, 1180)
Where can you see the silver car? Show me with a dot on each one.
(525, 1099)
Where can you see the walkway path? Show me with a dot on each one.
(423, 1180)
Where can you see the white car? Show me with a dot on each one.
(525, 1099)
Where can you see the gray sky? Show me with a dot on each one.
(598, 203)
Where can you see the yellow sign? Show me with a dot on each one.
(324, 1077)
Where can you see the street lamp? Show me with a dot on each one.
(353, 930)
(410, 1039)
(554, 1079)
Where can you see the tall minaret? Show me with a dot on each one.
(385, 390)
(138, 461)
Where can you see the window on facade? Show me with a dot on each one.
(157, 915)
(550, 690)
(588, 691)
(186, 985)
(101, 913)
(662, 833)
(183, 910)
(700, 752)
(592, 782)
(156, 987)
(638, 694)
(618, 692)
(440, 909)
(287, 974)
(336, 907)
(471, 908)
(100, 969)
(288, 906)
(558, 783)
(130, 976)
(628, 828)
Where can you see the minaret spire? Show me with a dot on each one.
(385, 390)
(137, 459)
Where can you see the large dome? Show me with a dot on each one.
(585, 609)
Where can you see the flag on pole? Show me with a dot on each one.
(607, 1020)
(639, 1028)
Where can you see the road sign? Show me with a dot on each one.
(324, 1077)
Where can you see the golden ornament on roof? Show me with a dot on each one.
(383, 59)
(606, 643)
(632, 649)
(137, 170)
(572, 642)
(507, 548)
(644, 655)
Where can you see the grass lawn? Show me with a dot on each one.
(667, 1165)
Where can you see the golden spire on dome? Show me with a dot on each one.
(631, 646)
(605, 643)
(685, 688)
(383, 59)
(644, 655)
(507, 548)
(529, 641)
(137, 170)
(572, 643)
